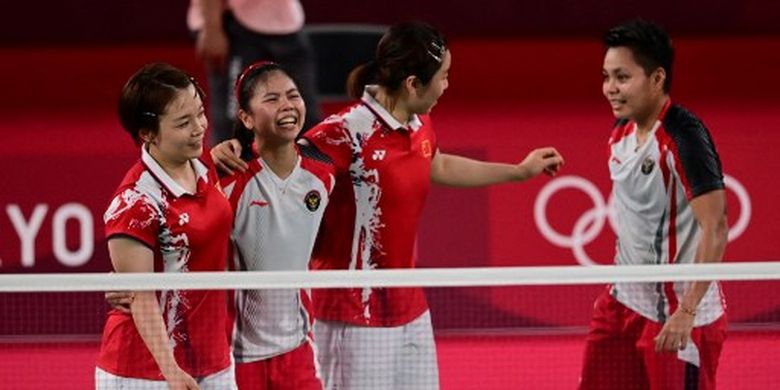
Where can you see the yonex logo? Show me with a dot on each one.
(183, 219)
(379, 155)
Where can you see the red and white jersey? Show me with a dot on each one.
(275, 225)
(652, 186)
(383, 178)
(187, 232)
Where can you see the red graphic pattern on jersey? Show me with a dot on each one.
(382, 181)
(187, 232)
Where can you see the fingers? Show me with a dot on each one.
(236, 164)
(226, 157)
(234, 146)
(120, 300)
(224, 168)
(670, 343)
(124, 308)
(551, 159)
(551, 154)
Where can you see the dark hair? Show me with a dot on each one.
(245, 90)
(147, 94)
(406, 49)
(650, 44)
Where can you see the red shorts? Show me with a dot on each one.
(293, 370)
(620, 352)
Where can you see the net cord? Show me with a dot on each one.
(421, 277)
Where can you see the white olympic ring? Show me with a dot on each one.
(590, 224)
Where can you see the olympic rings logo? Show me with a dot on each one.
(590, 224)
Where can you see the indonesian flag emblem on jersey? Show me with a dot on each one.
(276, 222)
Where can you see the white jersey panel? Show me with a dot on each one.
(652, 209)
(276, 223)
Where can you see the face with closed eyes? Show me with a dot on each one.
(276, 109)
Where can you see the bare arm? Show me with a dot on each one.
(212, 43)
(710, 212)
(457, 171)
(128, 255)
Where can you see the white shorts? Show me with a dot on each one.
(225, 379)
(377, 358)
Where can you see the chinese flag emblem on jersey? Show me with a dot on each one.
(426, 148)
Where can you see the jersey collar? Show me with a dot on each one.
(368, 99)
(668, 104)
(159, 173)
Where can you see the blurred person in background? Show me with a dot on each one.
(233, 34)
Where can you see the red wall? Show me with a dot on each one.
(63, 152)
(150, 21)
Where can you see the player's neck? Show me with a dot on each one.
(645, 123)
(280, 158)
(179, 170)
(393, 105)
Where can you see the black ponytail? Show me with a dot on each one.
(406, 49)
(359, 77)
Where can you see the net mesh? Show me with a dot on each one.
(492, 328)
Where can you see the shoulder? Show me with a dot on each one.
(234, 184)
(318, 163)
(689, 140)
(685, 128)
(692, 147)
(309, 152)
(140, 199)
(139, 180)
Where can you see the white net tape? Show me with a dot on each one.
(433, 277)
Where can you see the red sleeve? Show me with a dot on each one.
(333, 139)
(133, 214)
